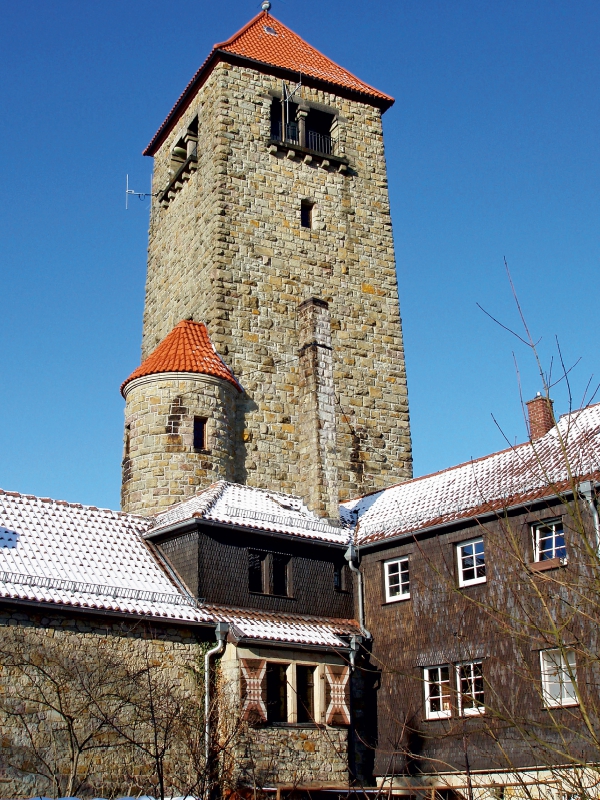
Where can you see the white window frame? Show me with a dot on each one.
(459, 557)
(550, 674)
(404, 595)
(468, 712)
(444, 713)
(553, 524)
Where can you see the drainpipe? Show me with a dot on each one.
(351, 557)
(587, 490)
(221, 631)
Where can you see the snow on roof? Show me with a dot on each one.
(57, 552)
(517, 475)
(97, 560)
(283, 627)
(259, 509)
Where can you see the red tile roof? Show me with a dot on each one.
(265, 40)
(187, 348)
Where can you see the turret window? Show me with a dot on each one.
(200, 424)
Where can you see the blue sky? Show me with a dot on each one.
(492, 151)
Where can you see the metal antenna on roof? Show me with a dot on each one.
(140, 195)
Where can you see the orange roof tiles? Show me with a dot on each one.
(187, 348)
(267, 41)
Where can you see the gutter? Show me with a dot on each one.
(221, 631)
(249, 642)
(351, 556)
(587, 490)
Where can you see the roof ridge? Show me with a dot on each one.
(511, 448)
(68, 504)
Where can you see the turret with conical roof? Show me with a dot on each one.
(180, 418)
(270, 223)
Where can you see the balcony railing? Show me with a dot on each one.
(318, 142)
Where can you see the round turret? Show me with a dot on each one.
(179, 422)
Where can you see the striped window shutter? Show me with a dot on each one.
(254, 689)
(337, 695)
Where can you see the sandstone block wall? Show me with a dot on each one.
(229, 250)
(160, 464)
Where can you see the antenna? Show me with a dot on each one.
(286, 96)
(140, 195)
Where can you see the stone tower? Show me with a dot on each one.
(270, 224)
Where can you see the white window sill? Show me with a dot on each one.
(472, 712)
(439, 715)
(474, 582)
(397, 599)
(569, 704)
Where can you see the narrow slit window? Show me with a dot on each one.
(256, 571)
(200, 433)
(306, 214)
(280, 574)
(305, 690)
(277, 684)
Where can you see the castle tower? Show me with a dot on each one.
(271, 225)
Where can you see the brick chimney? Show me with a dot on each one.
(541, 416)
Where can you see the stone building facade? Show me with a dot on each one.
(247, 224)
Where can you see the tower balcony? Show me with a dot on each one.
(310, 144)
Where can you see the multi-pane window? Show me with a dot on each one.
(469, 685)
(268, 573)
(549, 541)
(397, 582)
(471, 562)
(437, 692)
(558, 677)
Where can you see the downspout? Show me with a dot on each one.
(221, 631)
(351, 557)
(587, 490)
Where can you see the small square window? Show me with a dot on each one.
(437, 692)
(306, 214)
(558, 677)
(397, 582)
(200, 433)
(549, 541)
(471, 562)
(469, 682)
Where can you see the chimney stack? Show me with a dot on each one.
(541, 416)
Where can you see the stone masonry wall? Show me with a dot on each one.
(73, 660)
(317, 412)
(229, 250)
(160, 464)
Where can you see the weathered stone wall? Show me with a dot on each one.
(76, 664)
(229, 250)
(160, 464)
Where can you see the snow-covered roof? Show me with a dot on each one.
(519, 474)
(231, 503)
(94, 559)
(58, 552)
(282, 627)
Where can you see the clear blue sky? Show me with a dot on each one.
(492, 151)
